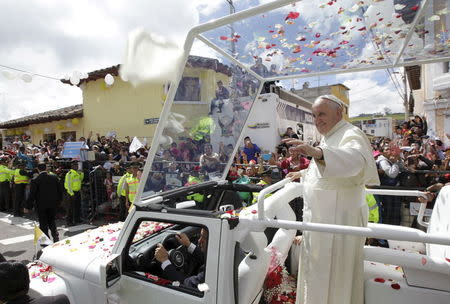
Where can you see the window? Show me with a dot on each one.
(372, 131)
(188, 90)
(69, 136)
(51, 137)
(182, 268)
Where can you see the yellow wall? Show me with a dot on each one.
(120, 108)
(57, 127)
(340, 92)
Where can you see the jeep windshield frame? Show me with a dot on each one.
(353, 38)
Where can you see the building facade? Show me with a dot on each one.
(66, 123)
(121, 109)
(436, 101)
(377, 127)
(339, 90)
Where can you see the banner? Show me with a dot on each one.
(72, 149)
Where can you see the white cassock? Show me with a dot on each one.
(331, 265)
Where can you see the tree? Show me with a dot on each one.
(387, 110)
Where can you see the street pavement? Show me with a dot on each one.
(17, 235)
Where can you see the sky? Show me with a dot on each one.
(55, 38)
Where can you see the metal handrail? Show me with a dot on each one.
(285, 181)
(373, 231)
(268, 190)
(416, 193)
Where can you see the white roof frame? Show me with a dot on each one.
(196, 33)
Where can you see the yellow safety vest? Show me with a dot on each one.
(255, 194)
(20, 179)
(133, 183)
(204, 127)
(374, 214)
(198, 197)
(73, 180)
(5, 174)
(121, 186)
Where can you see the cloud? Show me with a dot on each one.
(203, 50)
(55, 38)
(370, 93)
(208, 7)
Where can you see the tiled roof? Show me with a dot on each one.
(59, 114)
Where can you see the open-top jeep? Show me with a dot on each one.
(116, 263)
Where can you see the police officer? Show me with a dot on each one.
(374, 213)
(5, 180)
(21, 179)
(131, 185)
(121, 193)
(72, 184)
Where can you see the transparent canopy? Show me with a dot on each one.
(205, 112)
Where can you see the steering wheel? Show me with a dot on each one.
(178, 255)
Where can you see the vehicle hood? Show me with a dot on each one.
(75, 255)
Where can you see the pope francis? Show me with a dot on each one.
(331, 265)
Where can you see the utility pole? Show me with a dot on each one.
(235, 70)
(405, 95)
(232, 43)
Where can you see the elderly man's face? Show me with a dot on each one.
(326, 115)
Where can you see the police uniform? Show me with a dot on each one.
(72, 184)
(121, 193)
(131, 188)
(5, 188)
(21, 179)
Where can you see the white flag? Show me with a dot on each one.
(135, 145)
(150, 58)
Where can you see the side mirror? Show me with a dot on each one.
(110, 270)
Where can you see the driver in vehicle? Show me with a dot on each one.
(197, 254)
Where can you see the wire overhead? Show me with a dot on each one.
(32, 73)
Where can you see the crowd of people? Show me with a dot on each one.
(23, 164)
(411, 160)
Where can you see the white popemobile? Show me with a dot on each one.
(116, 263)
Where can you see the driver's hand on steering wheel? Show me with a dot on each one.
(161, 254)
(183, 239)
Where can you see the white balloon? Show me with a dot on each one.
(28, 132)
(47, 130)
(9, 75)
(69, 124)
(109, 79)
(26, 78)
(74, 80)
